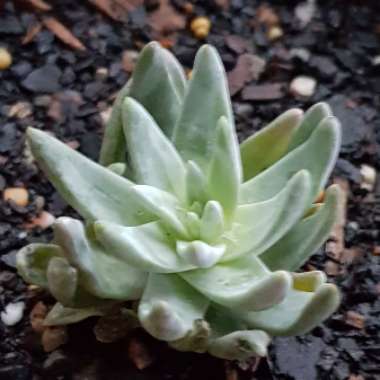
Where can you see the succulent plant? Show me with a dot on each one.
(203, 234)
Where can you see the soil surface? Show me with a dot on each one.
(66, 88)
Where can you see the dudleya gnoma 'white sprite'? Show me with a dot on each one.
(204, 233)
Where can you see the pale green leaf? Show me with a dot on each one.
(62, 280)
(299, 313)
(259, 225)
(61, 315)
(199, 254)
(206, 100)
(196, 340)
(240, 345)
(158, 83)
(32, 262)
(94, 191)
(196, 183)
(225, 173)
(305, 238)
(313, 116)
(95, 265)
(230, 338)
(212, 222)
(148, 247)
(119, 168)
(170, 306)
(153, 158)
(317, 155)
(164, 205)
(308, 281)
(113, 144)
(267, 146)
(243, 284)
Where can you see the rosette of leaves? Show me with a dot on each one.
(204, 234)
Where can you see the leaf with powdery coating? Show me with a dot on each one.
(317, 155)
(169, 307)
(267, 146)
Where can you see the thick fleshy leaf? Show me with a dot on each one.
(259, 225)
(206, 101)
(290, 252)
(170, 306)
(243, 284)
(61, 315)
(230, 339)
(101, 274)
(94, 191)
(148, 247)
(200, 254)
(196, 340)
(113, 147)
(317, 155)
(308, 281)
(153, 158)
(164, 205)
(32, 262)
(119, 168)
(240, 345)
(62, 280)
(225, 173)
(268, 145)
(299, 313)
(212, 222)
(158, 83)
(313, 116)
(196, 183)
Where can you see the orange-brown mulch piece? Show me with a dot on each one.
(116, 9)
(40, 5)
(32, 31)
(63, 33)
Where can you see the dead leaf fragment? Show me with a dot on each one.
(40, 5)
(355, 319)
(37, 316)
(32, 31)
(53, 337)
(139, 354)
(111, 8)
(111, 328)
(116, 9)
(249, 67)
(64, 34)
(267, 16)
(166, 19)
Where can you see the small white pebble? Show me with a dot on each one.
(303, 86)
(376, 60)
(274, 33)
(12, 313)
(368, 174)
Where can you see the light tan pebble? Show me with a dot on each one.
(5, 59)
(200, 27)
(274, 33)
(18, 195)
